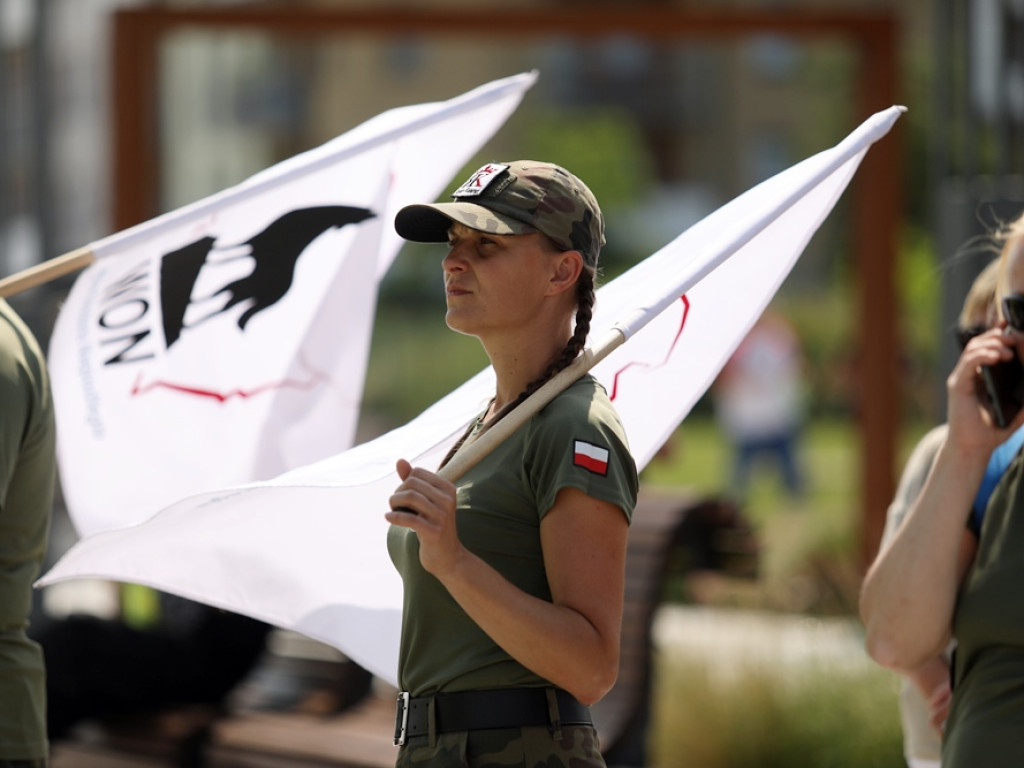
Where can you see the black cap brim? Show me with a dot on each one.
(422, 224)
(429, 223)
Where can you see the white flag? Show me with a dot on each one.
(226, 342)
(306, 551)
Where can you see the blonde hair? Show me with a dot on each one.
(981, 298)
(1007, 236)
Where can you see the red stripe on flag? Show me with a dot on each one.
(592, 457)
(589, 462)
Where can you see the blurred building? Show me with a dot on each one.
(976, 147)
(686, 124)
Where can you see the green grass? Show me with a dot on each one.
(767, 716)
(698, 457)
(818, 716)
(809, 547)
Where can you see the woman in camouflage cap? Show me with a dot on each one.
(513, 576)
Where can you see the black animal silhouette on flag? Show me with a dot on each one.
(275, 252)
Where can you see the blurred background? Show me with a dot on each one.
(116, 110)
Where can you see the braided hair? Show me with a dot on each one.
(584, 314)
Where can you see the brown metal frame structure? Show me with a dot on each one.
(876, 188)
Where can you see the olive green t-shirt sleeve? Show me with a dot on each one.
(579, 442)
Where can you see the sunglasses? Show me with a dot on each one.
(1013, 311)
(964, 335)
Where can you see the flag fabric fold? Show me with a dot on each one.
(306, 550)
(226, 341)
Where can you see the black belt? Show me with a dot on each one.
(477, 710)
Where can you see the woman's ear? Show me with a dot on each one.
(567, 271)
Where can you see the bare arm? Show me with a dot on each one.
(909, 593)
(573, 641)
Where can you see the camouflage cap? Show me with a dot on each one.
(514, 198)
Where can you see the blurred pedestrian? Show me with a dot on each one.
(759, 403)
(933, 581)
(514, 575)
(27, 478)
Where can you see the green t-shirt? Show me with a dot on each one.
(986, 719)
(27, 469)
(576, 441)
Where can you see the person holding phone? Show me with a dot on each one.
(513, 575)
(924, 691)
(932, 582)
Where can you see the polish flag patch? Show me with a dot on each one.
(590, 456)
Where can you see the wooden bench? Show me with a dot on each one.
(657, 537)
(360, 736)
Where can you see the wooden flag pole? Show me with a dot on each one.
(72, 261)
(473, 452)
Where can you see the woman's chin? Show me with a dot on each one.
(457, 323)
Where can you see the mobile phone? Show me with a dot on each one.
(1002, 390)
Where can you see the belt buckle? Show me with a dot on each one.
(401, 718)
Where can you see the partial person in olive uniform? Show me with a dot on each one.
(924, 691)
(933, 582)
(27, 477)
(513, 576)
